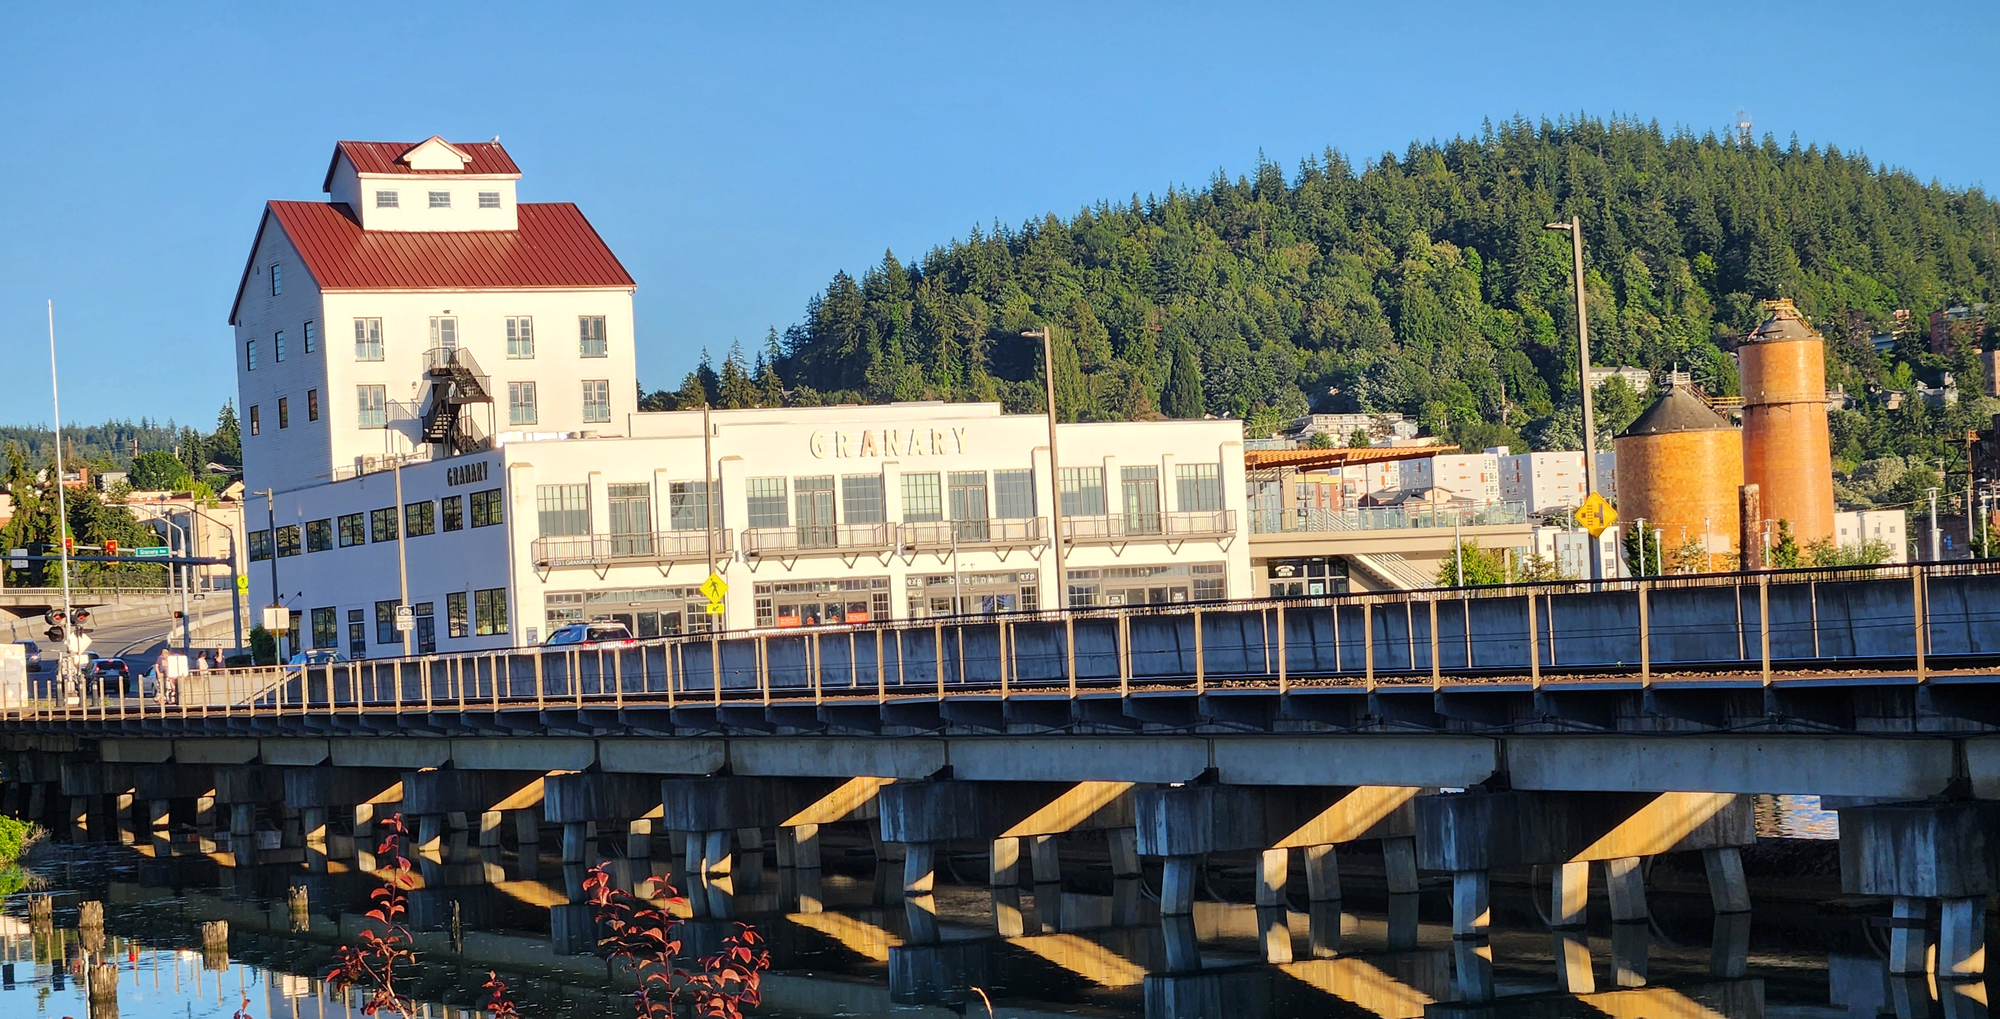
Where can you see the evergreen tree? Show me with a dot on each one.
(1182, 396)
(225, 446)
(736, 389)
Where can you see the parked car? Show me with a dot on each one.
(315, 658)
(585, 634)
(34, 654)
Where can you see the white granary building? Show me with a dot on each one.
(422, 329)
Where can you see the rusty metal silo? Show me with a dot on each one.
(1679, 466)
(1786, 451)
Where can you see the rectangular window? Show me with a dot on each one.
(277, 281)
(1013, 494)
(386, 200)
(923, 499)
(312, 405)
(444, 332)
(520, 336)
(420, 518)
(590, 336)
(861, 500)
(563, 510)
(813, 499)
(319, 535)
(278, 345)
(284, 412)
(312, 337)
(454, 614)
(1198, 487)
(440, 199)
(353, 529)
(490, 612)
(382, 524)
(368, 339)
(357, 634)
(454, 512)
(1082, 491)
(250, 355)
(521, 403)
(489, 199)
(687, 508)
(326, 627)
(631, 507)
(1140, 491)
(767, 503)
(371, 406)
(260, 546)
(596, 401)
(486, 509)
(288, 541)
(385, 623)
(256, 425)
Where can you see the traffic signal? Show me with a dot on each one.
(55, 633)
(111, 546)
(81, 618)
(55, 617)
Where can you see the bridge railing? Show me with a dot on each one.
(1908, 621)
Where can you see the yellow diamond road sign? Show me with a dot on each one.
(1596, 514)
(714, 587)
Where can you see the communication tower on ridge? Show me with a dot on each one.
(1744, 134)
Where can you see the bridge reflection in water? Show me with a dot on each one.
(851, 944)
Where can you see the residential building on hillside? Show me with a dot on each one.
(1473, 476)
(1857, 527)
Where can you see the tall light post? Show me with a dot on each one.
(271, 521)
(62, 500)
(1935, 533)
(1055, 470)
(1575, 228)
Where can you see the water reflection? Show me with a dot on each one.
(1795, 817)
(846, 941)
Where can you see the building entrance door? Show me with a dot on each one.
(427, 633)
(631, 520)
(814, 499)
(1142, 500)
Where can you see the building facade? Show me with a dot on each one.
(591, 510)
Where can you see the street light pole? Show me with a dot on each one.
(62, 500)
(1055, 471)
(402, 564)
(1575, 228)
(271, 521)
(1935, 533)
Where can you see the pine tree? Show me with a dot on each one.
(1182, 396)
(736, 389)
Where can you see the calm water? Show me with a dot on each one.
(847, 945)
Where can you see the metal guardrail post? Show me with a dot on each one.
(937, 636)
(541, 683)
(618, 677)
(1919, 626)
(667, 658)
(882, 667)
(1124, 632)
(576, 675)
(1284, 676)
(1437, 679)
(1534, 644)
(1645, 639)
(1812, 595)
(1368, 642)
(1764, 622)
(1001, 636)
(1200, 660)
(1069, 650)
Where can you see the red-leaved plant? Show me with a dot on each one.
(497, 1001)
(646, 938)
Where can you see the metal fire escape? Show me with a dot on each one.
(456, 382)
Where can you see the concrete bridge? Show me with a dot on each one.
(1570, 728)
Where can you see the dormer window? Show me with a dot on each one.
(489, 199)
(440, 199)
(386, 200)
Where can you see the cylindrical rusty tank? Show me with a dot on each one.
(1679, 466)
(1786, 452)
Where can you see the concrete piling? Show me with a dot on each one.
(1273, 872)
(1045, 859)
(1177, 885)
(1322, 874)
(1004, 862)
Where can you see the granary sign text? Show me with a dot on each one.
(882, 442)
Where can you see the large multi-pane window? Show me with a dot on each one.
(256, 421)
(387, 200)
(861, 500)
(382, 524)
(278, 346)
(319, 536)
(277, 281)
(596, 401)
(813, 497)
(288, 540)
(385, 623)
(250, 355)
(521, 403)
(368, 339)
(966, 499)
(371, 406)
(520, 336)
(440, 199)
(489, 199)
(1082, 491)
(1198, 487)
(490, 611)
(563, 510)
(687, 505)
(631, 507)
(767, 503)
(420, 518)
(923, 498)
(454, 614)
(486, 509)
(590, 336)
(1013, 494)
(1140, 498)
(444, 331)
(453, 511)
(311, 338)
(260, 546)
(326, 627)
(353, 530)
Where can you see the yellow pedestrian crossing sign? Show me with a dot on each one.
(242, 583)
(1596, 514)
(714, 587)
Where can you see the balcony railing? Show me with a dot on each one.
(944, 535)
(1386, 518)
(1118, 528)
(817, 539)
(607, 549)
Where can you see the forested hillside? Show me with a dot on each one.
(1423, 283)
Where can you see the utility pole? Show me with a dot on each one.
(1936, 535)
(271, 521)
(402, 564)
(62, 500)
(1055, 471)
(708, 518)
(1971, 538)
(1575, 228)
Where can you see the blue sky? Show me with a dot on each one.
(736, 155)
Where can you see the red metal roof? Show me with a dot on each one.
(554, 249)
(382, 157)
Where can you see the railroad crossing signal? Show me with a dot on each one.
(1596, 515)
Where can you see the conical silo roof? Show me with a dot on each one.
(1784, 323)
(1677, 411)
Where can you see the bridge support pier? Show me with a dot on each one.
(1045, 859)
(999, 814)
(444, 800)
(1921, 853)
(1177, 885)
(1004, 862)
(528, 826)
(805, 846)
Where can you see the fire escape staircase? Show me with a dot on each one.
(456, 382)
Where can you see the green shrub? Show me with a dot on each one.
(15, 838)
(263, 646)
